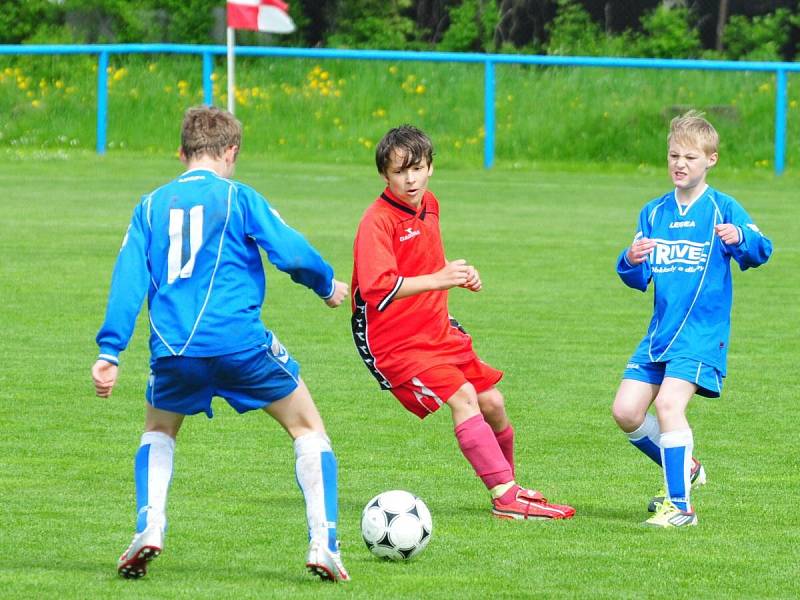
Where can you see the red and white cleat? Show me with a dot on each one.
(530, 504)
(145, 547)
(325, 564)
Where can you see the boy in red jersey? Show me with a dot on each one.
(406, 336)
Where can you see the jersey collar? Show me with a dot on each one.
(684, 208)
(390, 198)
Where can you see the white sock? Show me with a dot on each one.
(153, 473)
(315, 467)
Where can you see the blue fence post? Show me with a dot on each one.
(780, 121)
(489, 119)
(102, 101)
(208, 85)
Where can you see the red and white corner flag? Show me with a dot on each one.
(271, 16)
(260, 15)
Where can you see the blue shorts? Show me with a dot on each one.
(707, 378)
(247, 380)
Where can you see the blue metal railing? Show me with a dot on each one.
(781, 70)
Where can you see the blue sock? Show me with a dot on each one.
(316, 471)
(646, 438)
(152, 473)
(330, 485)
(676, 455)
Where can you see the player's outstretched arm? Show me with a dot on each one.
(104, 376)
(340, 291)
(454, 273)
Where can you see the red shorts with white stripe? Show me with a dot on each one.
(428, 391)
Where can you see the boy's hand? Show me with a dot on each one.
(104, 375)
(473, 283)
(728, 233)
(639, 250)
(340, 290)
(453, 274)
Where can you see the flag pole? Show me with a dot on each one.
(231, 73)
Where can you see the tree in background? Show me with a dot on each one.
(379, 24)
(668, 33)
(523, 23)
(736, 29)
(433, 19)
(19, 19)
(759, 38)
(472, 27)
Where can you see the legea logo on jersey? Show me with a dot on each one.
(679, 255)
(681, 224)
(411, 233)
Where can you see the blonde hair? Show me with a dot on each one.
(691, 129)
(210, 131)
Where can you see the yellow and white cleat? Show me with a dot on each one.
(669, 515)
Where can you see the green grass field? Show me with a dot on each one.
(552, 314)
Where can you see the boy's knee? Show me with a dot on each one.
(665, 404)
(628, 416)
(492, 402)
(464, 398)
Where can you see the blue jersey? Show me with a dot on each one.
(691, 275)
(193, 247)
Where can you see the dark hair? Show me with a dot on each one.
(412, 141)
(209, 130)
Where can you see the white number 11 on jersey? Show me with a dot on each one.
(180, 263)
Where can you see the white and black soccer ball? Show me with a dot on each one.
(396, 525)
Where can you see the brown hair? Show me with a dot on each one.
(209, 130)
(412, 141)
(691, 129)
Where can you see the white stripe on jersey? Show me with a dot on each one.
(213, 273)
(390, 296)
(652, 216)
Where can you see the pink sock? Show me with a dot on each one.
(510, 495)
(479, 446)
(505, 440)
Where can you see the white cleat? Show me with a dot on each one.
(325, 564)
(145, 547)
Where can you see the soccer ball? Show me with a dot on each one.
(396, 525)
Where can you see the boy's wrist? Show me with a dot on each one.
(109, 357)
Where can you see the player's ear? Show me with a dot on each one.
(712, 159)
(430, 169)
(182, 156)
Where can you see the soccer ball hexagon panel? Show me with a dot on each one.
(396, 525)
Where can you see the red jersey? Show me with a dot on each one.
(400, 338)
